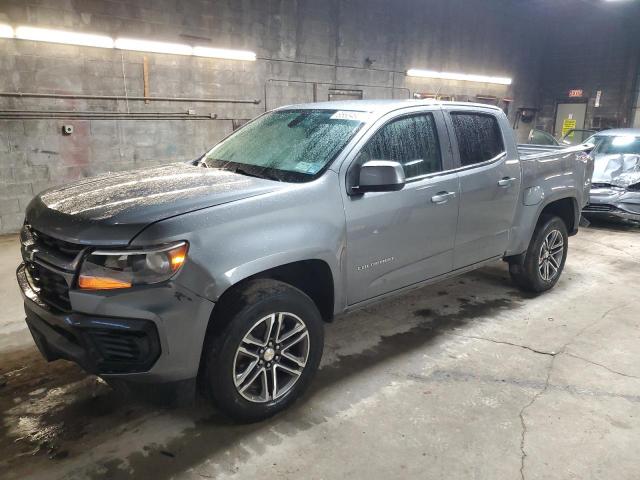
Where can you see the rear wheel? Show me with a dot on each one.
(545, 258)
(266, 354)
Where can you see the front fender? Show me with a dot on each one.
(259, 265)
(234, 241)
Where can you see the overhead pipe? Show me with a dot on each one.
(89, 112)
(94, 115)
(111, 118)
(123, 116)
(125, 97)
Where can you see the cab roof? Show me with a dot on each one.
(381, 106)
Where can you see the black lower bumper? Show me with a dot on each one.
(100, 345)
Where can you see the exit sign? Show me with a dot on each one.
(575, 93)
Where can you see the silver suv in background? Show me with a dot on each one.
(615, 191)
(225, 270)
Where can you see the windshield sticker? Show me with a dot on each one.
(353, 116)
(307, 167)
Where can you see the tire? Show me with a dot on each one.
(228, 369)
(531, 275)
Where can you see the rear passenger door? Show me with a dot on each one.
(489, 175)
(399, 238)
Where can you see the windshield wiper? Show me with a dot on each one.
(226, 165)
(263, 174)
(244, 172)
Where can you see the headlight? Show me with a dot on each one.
(108, 270)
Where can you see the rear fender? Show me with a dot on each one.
(530, 216)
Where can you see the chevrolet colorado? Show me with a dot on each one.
(220, 273)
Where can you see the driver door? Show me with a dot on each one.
(399, 238)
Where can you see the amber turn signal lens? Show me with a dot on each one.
(177, 257)
(101, 283)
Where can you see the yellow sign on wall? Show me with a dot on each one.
(567, 125)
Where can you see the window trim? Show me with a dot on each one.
(402, 117)
(496, 159)
(454, 138)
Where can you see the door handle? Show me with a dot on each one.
(506, 181)
(442, 197)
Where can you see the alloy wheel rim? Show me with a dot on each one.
(551, 253)
(271, 357)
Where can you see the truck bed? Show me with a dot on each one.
(526, 149)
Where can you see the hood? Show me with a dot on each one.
(620, 170)
(112, 209)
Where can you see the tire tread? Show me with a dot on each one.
(228, 316)
(526, 275)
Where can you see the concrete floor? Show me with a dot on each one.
(465, 379)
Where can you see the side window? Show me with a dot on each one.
(479, 137)
(412, 141)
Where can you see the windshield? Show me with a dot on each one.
(286, 145)
(622, 144)
(540, 137)
(576, 137)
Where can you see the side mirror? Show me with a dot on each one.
(380, 176)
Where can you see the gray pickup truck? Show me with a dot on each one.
(220, 273)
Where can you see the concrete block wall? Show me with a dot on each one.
(299, 43)
(592, 49)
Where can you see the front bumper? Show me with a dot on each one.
(152, 334)
(614, 203)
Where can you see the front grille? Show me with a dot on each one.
(595, 207)
(51, 287)
(50, 265)
(69, 251)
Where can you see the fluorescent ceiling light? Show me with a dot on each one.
(103, 41)
(414, 72)
(155, 47)
(6, 31)
(224, 53)
(61, 36)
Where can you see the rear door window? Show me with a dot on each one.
(479, 137)
(411, 141)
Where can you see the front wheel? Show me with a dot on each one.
(545, 258)
(267, 352)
